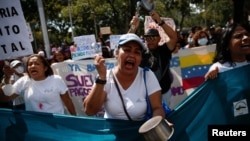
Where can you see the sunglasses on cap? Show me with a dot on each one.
(151, 37)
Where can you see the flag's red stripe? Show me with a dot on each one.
(192, 82)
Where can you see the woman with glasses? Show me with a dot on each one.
(232, 51)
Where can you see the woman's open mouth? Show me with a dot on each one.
(129, 64)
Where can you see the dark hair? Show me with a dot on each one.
(152, 32)
(48, 72)
(222, 53)
(197, 35)
(58, 51)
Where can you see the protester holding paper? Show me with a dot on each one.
(42, 90)
(232, 50)
(129, 79)
(157, 57)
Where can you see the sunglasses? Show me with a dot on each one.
(150, 38)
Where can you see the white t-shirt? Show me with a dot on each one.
(226, 66)
(134, 97)
(42, 96)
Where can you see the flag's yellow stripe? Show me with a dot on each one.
(196, 59)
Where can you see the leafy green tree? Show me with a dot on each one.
(216, 11)
(89, 15)
(180, 9)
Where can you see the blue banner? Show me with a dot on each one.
(221, 101)
(33, 126)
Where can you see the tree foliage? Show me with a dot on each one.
(89, 15)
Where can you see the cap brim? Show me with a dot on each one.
(129, 40)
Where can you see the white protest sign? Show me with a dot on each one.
(150, 23)
(79, 76)
(14, 41)
(114, 39)
(84, 47)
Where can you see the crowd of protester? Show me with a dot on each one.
(161, 55)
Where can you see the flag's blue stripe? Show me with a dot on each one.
(194, 71)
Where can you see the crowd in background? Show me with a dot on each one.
(198, 36)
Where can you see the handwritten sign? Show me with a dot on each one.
(80, 76)
(150, 23)
(84, 47)
(14, 36)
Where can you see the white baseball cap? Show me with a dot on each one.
(14, 63)
(131, 37)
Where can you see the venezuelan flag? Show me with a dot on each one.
(194, 64)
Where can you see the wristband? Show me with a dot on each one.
(100, 81)
(162, 23)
